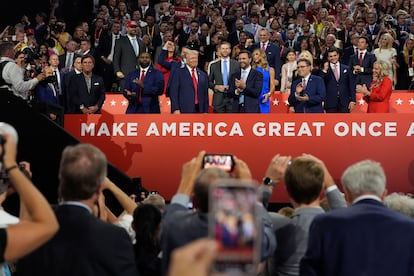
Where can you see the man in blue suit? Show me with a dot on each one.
(246, 86)
(143, 86)
(308, 92)
(189, 87)
(339, 83)
(365, 238)
(362, 63)
(272, 52)
(87, 90)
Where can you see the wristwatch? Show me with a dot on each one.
(269, 182)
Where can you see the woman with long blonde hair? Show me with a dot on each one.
(379, 93)
(261, 64)
(388, 54)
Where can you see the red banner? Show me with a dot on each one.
(154, 147)
(182, 13)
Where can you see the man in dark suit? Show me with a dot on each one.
(372, 27)
(350, 50)
(84, 244)
(70, 108)
(189, 87)
(363, 63)
(272, 52)
(364, 238)
(246, 86)
(127, 50)
(66, 60)
(143, 86)
(105, 55)
(339, 83)
(308, 92)
(218, 79)
(86, 90)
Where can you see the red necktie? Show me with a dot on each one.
(195, 83)
(360, 58)
(264, 47)
(140, 89)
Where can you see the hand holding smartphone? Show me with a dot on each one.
(233, 224)
(223, 161)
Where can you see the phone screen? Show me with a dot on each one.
(233, 223)
(223, 161)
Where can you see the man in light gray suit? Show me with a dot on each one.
(305, 178)
(127, 50)
(218, 79)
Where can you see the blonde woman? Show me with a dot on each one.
(379, 93)
(388, 54)
(287, 71)
(260, 64)
(405, 65)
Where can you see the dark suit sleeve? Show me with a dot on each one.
(101, 93)
(292, 99)
(254, 87)
(129, 86)
(162, 58)
(117, 55)
(368, 69)
(320, 94)
(278, 63)
(174, 89)
(268, 239)
(211, 82)
(74, 92)
(232, 87)
(157, 85)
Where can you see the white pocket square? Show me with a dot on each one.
(345, 71)
(96, 83)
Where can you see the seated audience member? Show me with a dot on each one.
(401, 203)
(40, 225)
(84, 245)
(181, 226)
(305, 179)
(344, 241)
(147, 225)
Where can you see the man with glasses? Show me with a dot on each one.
(308, 92)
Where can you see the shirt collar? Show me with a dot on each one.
(374, 197)
(77, 203)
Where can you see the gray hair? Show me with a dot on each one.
(401, 203)
(364, 177)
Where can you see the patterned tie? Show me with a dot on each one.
(336, 71)
(264, 47)
(225, 73)
(195, 84)
(140, 92)
(303, 84)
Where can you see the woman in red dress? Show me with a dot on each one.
(171, 56)
(378, 96)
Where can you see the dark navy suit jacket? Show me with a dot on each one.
(254, 83)
(170, 65)
(273, 57)
(153, 87)
(79, 94)
(364, 239)
(368, 63)
(344, 89)
(182, 93)
(316, 91)
(44, 94)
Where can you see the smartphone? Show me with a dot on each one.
(233, 223)
(223, 161)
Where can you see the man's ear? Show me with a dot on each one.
(384, 194)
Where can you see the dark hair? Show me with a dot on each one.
(304, 180)
(146, 223)
(307, 61)
(365, 38)
(5, 47)
(289, 50)
(246, 52)
(333, 49)
(88, 56)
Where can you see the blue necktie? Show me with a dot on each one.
(241, 96)
(134, 45)
(225, 73)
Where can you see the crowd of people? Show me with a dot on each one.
(81, 236)
(241, 51)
